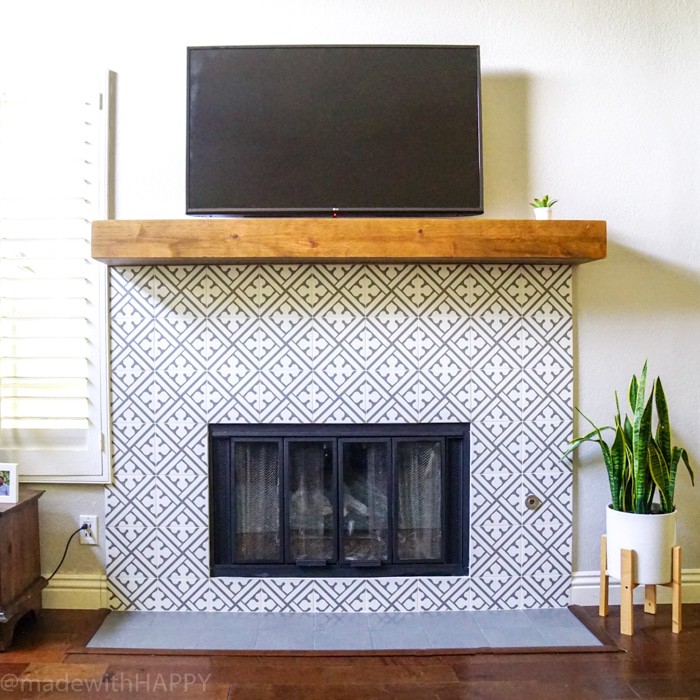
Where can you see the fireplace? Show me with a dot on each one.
(338, 500)
(195, 346)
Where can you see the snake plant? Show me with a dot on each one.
(639, 461)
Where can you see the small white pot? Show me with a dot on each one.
(542, 213)
(652, 537)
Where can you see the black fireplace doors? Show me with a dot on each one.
(338, 500)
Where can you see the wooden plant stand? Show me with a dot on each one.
(627, 586)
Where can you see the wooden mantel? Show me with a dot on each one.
(350, 240)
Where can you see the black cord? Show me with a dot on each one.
(84, 527)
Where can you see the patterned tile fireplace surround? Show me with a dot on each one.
(193, 345)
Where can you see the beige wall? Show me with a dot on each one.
(592, 102)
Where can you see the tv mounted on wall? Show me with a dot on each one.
(334, 130)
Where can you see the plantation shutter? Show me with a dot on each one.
(53, 183)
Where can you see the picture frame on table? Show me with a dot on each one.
(8, 483)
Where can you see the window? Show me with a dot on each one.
(54, 180)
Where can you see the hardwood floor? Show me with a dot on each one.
(47, 658)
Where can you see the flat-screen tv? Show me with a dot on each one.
(334, 130)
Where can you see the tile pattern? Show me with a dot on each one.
(487, 344)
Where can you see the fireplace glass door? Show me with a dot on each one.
(311, 502)
(338, 500)
(364, 499)
(256, 502)
(420, 484)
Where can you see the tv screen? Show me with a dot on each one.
(334, 130)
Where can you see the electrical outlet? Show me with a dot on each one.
(89, 535)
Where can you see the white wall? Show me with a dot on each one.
(593, 102)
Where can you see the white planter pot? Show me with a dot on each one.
(542, 213)
(652, 537)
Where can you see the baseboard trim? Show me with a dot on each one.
(585, 589)
(89, 591)
(76, 592)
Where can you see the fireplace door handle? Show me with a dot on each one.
(365, 563)
(311, 562)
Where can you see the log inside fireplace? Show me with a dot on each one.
(339, 500)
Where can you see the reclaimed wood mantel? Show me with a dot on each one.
(347, 240)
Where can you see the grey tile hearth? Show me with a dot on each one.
(342, 631)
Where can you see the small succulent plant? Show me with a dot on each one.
(543, 203)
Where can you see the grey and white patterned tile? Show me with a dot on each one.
(392, 595)
(184, 552)
(339, 369)
(549, 528)
(496, 341)
(544, 444)
(443, 593)
(464, 291)
(495, 395)
(445, 371)
(232, 344)
(555, 490)
(179, 496)
(311, 289)
(179, 395)
(180, 343)
(232, 399)
(132, 345)
(450, 331)
(180, 291)
(339, 404)
(131, 292)
(131, 503)
(228, 289)
(189, 593)
(496, 552)
(133, 553)
(364, 289)
(181, 445)
(524, 290)
(545, 591)
(133, 399)
(341, 595)
(234, 595)
(387, 356)
(438, 407)
(416, 288)
(496, 500)
(139, 593)
(546, 335)
(496, 447)
(501, 593)
(120, 544)
(557, 282)
(547, 393)
(287, 595)
(133, 451)
(290, 401)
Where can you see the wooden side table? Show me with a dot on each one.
(21, 581)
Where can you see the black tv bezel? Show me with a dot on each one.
(326, 212)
